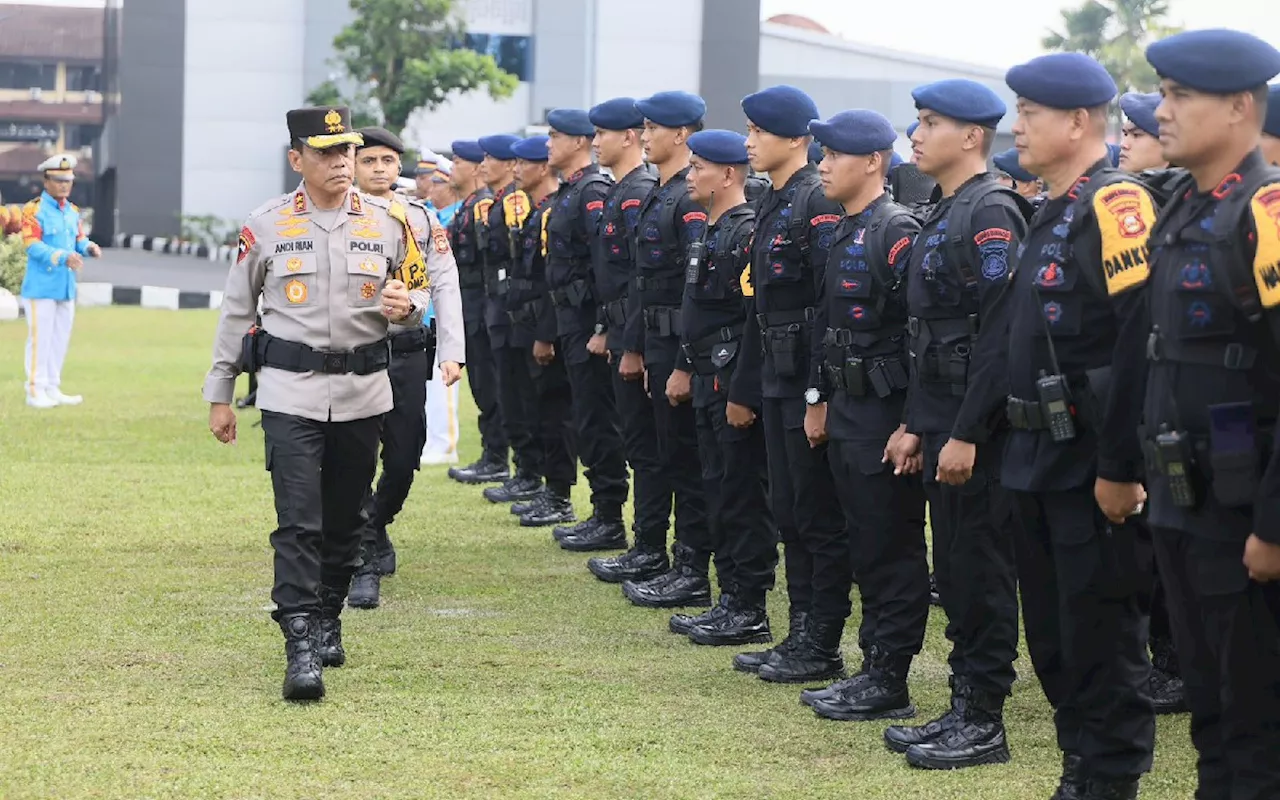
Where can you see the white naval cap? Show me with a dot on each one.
(59, 163)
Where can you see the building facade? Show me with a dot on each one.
(198, 129)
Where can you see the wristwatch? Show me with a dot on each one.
(599, 329)
(813, 397)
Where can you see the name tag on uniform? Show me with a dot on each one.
(355, 246)
(299, 246)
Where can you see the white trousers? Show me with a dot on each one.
(48, 336)
(442, 417)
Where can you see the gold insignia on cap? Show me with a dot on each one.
(334, 121)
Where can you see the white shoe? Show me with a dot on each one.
(41, 401)
(64, 399)
(432, 459)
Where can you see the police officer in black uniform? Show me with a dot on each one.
(669, 222)
(500, 240)
(1021, 181)
(1074, 431)
(734, 465)
(959, 267)
(571, 278)
(1212, 399)
(795, 224)
(533, 320)
(617, 144)
(858, 385)
(482, 373)
(1141, 155)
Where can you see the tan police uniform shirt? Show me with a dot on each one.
(442, 272)
(321, 283)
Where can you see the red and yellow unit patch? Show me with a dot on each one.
(1125, 215)
(367, 290)
(295, 291)
(440, 239)
(246, 243)
(1265, 206)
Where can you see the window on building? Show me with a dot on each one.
(79, 136)
(84, 79)
(28, 75)
(514, 54)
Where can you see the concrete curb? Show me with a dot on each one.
(110, 294)
(159, 244)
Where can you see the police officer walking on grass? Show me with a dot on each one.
(717, 299)
(795, 225)
(1212, 307)
(329, 296)
(404, 431)
(859, 376)
(571, 250)
(955, 417)
(1072, 458)
(482, 373)
(618, 147)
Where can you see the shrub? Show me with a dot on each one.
(13, 262)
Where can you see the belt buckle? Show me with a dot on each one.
(335, 363)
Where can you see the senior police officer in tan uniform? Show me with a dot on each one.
(404, 431)
(334, 268)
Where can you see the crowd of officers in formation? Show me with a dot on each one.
(1073, 368)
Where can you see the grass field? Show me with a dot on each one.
(138, 660)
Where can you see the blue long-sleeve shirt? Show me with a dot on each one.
(51, 231)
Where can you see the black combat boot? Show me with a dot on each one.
(1111, 789)
(331, 652)
(1071, 786)
(489, 468)
(640, 563)
(366, 587)
(303, 673)
(685, 585)
(810, 696)
(899, 738)
(745, 621)
(977, 739)
(532, 504)
(596, 533)
(556, 510)
(683, 623)
(883, 695)
(816, 658)
(524, 486)
(384, 559)
(751, 662)
(1167, 694)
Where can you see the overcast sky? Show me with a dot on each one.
(997, 32)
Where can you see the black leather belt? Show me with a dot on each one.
(414, 341)
(776, 319)
(295, 357)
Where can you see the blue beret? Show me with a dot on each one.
(571, 121)
(1062, 80)
(467, 150)
(1113, 152)
(672, 109)
(912, 128)
(532, 149)
(1141, 110)
(719, 146)
(859, 132)
(499, 146)
(1007, 162)
(1218, 61)
(1272, 124)
(815, 151)
(963, 100)
(618, 114)
(895, 160)
(781, 110)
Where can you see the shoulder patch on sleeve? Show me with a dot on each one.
(896, 250)
(633, 202)
(823, 219)
(515, 207)
(246, 243)
(1125, 214)
(482, 209)
(595, 205)
(1265, 206)
(31, 209)
(695, 216)
(992, 235)
(439, 239)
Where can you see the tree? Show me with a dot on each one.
(405, 55)
(328, 94)
(1116, 32)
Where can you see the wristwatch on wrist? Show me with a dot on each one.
(599, 329)
(813, 397)
(413, 308)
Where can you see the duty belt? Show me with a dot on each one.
(529, 313)
(616, 312)
(1230, 356)
(700, 352)
(666, 320)
(414, 341)
(296, 357)
(655, 286)
(572, 294)
(861, 373)
(776, 319)
(1026, 415)
(941, 349)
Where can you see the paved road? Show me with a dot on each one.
(140, 268)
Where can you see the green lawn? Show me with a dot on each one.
(138, 660)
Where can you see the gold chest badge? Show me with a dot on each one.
(293, 265)
(368, 290)
(365, 228)
(295, 291)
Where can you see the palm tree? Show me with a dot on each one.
(1116, 32)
